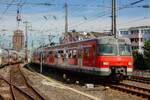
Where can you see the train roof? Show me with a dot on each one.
(105, 39)
(111, 40)
(99, 38)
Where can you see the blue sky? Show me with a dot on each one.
(84, 15)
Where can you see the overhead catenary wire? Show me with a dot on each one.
(108, 13)
(103, 14)
(5, 10)
(99, 15)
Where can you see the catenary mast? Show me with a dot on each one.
(114, 32)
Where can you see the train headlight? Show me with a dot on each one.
(105, 63)
(130, 63)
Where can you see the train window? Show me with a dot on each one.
(56, 55)
(60, 53)
(86, 52)
(39, 53)
(80, 53)
(70, 54)
(74, 53)
(124, 49)
(66, 54)
(44, 53)
(50, 52)
(107, 49)
(34, 54)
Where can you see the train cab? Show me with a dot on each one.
(114, 56)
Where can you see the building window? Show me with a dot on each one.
(124, 32)
(149, 31)
(136, 39)
(134, 31)
(132, 39)
(142, 31)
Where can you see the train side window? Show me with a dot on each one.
(34, 54)
(60, 53)
(66, 54)
(80, 53)
(56, 54)
(86, 52)
(74, 53)
(44, 54)
(50, 52)
(70, 54)
(40, 53)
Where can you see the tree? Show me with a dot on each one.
(139, 61)
(147, 53)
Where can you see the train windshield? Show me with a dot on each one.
(111, 49)
(107, 49)
(124, 50)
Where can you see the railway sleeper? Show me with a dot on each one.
(138, 80)
(135, 87)
(135, 92)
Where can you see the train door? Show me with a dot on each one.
(89, 56)
(92, 55)
(86, 56)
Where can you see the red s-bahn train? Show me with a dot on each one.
(104, 56)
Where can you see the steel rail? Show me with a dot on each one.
(26, 93)
(140, 79)
(39, 95)
(20, 90)
(135, 87)
(12, 86)
(2, 66)
(139, 91)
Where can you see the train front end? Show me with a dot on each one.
(114, 57)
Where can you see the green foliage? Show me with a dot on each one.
(147, 53)
(139, 62)
(142, 61)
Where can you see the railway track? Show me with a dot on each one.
(140, 79)
(131, 89)
(19, 87)
(124, 87)
(2, 66)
